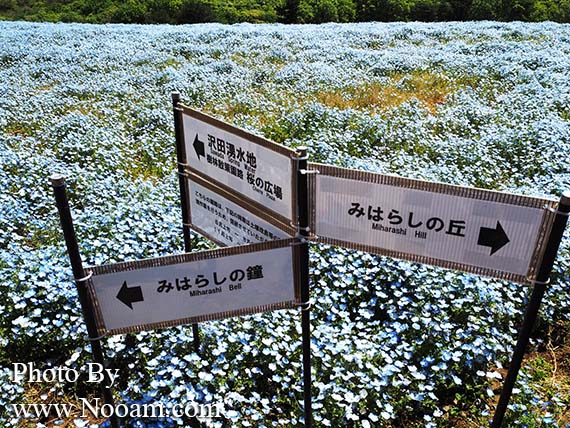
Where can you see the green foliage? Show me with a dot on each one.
(6, 5)
(131, 11)
(550, 10)
(384, 10)
(247, 11)
(483, 9)
(319, 11)
(194, 11)
(161, 11)
(288, 11)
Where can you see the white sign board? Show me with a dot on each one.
(225, 222)
(247, 164)
(490, 233)
(173, 290)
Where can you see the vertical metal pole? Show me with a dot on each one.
(81, 283)
(531, 314)
(183, 184)
(303, 212)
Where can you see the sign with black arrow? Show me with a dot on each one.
(481, 231)
(195, 287)
(261, 172)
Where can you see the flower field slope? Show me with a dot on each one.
(395, 344)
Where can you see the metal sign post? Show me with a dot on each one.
(82, 283)
(184, 194)
(540, 285)
(304, 233)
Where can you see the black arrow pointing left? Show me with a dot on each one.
(199, 147)
(130, 295)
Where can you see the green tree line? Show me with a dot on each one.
(288, 11)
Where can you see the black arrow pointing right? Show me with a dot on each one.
(130, 295)
(199, 147)
(494, 238)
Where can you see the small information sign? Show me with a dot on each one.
(222, 218)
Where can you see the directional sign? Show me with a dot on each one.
(480, 231)
(253, 167)
(226, 220)
(195, 287)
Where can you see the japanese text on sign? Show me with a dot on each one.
(386, 223)
(211, 285)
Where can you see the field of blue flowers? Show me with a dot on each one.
(395, 344)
